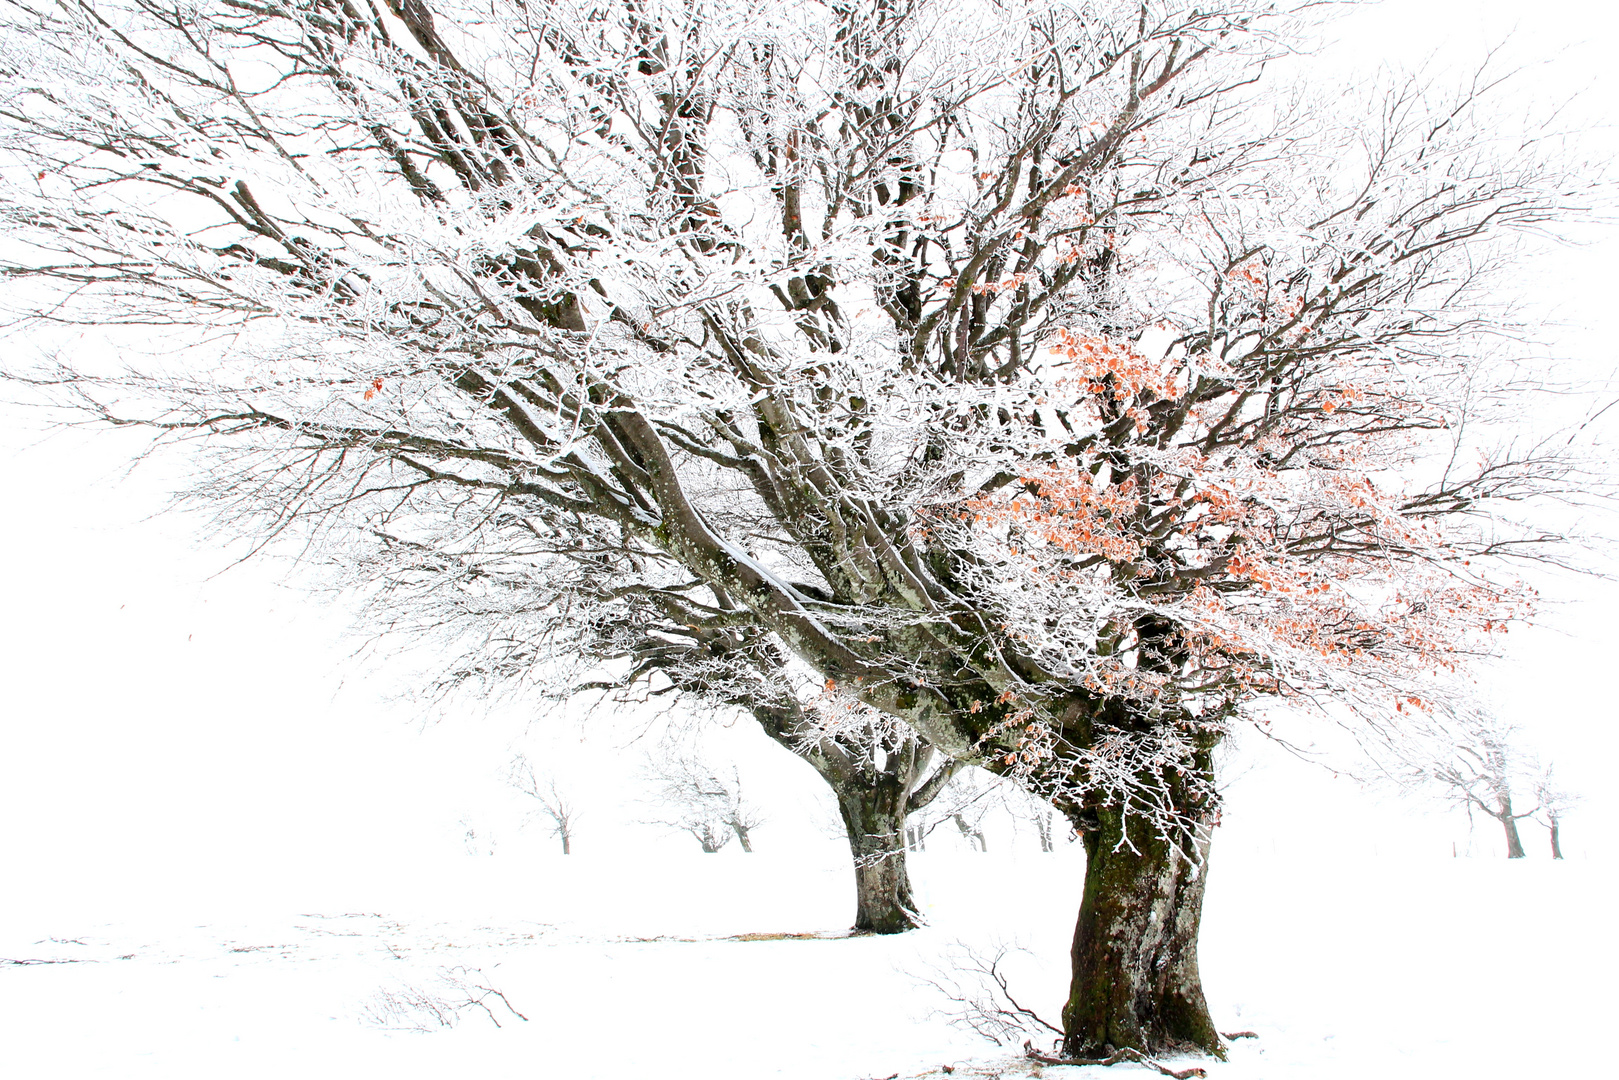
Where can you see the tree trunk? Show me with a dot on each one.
(742, 835)
(1557, 848)
(1136, 981)
(971, 833)
(566, 850)
(1510, 824)
(874, 818)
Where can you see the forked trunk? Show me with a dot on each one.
(1136, 982)
(874, 818)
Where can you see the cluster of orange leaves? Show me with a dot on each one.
(1245, 276)
(1114, 367)
(1069, 513)
(989, 287)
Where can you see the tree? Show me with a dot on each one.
(1026, 372)
(964, 801)
(881, 773)
(1555, 802)
(1037, 812)
(553, 803)
(1474, 761)
(703, 801)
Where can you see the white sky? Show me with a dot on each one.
(163, 727)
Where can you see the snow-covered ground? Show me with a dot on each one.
(675, 965)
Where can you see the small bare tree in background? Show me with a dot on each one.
(1473, 761)
(1024, 806)
(964, 798)
(705, 801)
(1555, 803)
(969, 797)
(561, 810)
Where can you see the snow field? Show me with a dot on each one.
(629, 968)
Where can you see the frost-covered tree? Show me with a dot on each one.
(696, 796)
(1023, 371)
(880, 773)
(1556, 801)
(1473, 762)
(555, 804)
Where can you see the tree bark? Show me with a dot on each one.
(1136, 983)
(1135, 977)
(876, 793)
(874, 818)
(1557, 848)
(1510, 823)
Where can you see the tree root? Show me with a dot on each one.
(1115, 1058)
(1239, 1034)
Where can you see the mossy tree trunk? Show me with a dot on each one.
(1135, 976)
(874, 819)
(876, 792)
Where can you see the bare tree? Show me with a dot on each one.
(1473, 762)
(703, 800)
(1555, 803)
(1035, 811)
(553, 803)
(966, 801)
(1024, 372)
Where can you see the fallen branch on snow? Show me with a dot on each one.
(1115, 1058)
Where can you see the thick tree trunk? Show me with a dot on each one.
(874, 818)
(1136, 981)
(1557, 848)
(1510, 824)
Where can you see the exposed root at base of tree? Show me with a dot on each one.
(1239, 1034)
(1115, 1058)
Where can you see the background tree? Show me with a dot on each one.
(1036, 812)
(964, 801)
(706, 801)
(1024, 372)
(1555, 803)
(553, 803)
(1474, 762)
